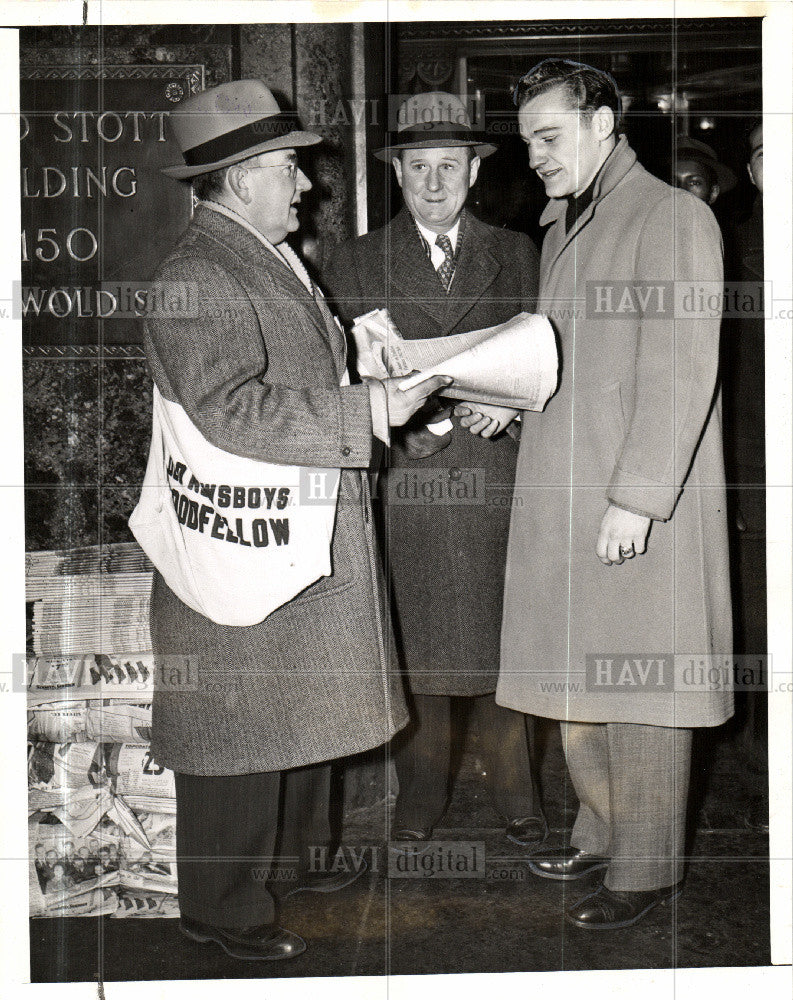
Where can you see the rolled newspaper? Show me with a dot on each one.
(514, 364)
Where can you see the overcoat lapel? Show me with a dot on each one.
(257, 259)
(477, 269)
(316, 309)
(617, 165)
(414, 278)
(336, 338)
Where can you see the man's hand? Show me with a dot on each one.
(402, 404)
(623, 535)
(484, 419)
(422, 442)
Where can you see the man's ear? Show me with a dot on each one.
(751, 175)
(714, 193)
(473, 171)
(397, 164)
(237, 180)
(603, 123)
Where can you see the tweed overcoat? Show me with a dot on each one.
(445, 559)
(258, 371)
(636, 421)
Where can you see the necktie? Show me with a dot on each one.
(446, 270)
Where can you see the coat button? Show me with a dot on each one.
(346, 450)
(455, 473)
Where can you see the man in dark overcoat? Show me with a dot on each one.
(617, 613)
(446, 492)
(744, 364)
(259, 368)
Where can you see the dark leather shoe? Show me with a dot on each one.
(609, 910)
(565, 863)
(327, 881)
(405, 840)
(528, 831)
(420, 833)
(266, 943)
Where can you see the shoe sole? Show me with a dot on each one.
(566, 878)
(207, 939)
(619, 924)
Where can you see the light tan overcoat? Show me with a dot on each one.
(636, 421)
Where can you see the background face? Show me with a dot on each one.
(563, 148)
(690, 176)
(435, 184)
(756, 159)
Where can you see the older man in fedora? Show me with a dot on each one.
(440, 271)
(260, 372)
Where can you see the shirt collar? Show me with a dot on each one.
(430, 237)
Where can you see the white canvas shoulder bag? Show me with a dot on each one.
(234, 538)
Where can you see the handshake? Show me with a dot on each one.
(490, 389)
(484, 419)
(405, 397)
(403, 400)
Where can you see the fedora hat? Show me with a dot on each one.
(229, 123)
(428, 121)
(687, 148)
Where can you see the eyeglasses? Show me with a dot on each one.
(291, 169)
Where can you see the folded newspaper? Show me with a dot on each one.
(514, 364)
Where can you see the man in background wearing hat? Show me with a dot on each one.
(440, 271)
(260, 371)
(698, 170)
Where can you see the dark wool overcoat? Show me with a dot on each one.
(636, 421)
(257, 371)
(445, 557)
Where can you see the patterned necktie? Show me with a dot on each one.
(446, 270)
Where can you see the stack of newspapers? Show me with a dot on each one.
(101, 813)
(100, 611)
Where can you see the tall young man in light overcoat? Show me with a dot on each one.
(618, 555)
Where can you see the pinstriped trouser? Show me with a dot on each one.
(632, 784)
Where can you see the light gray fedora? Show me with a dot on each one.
(229, 123)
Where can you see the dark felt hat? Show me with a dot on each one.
(429, 121)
